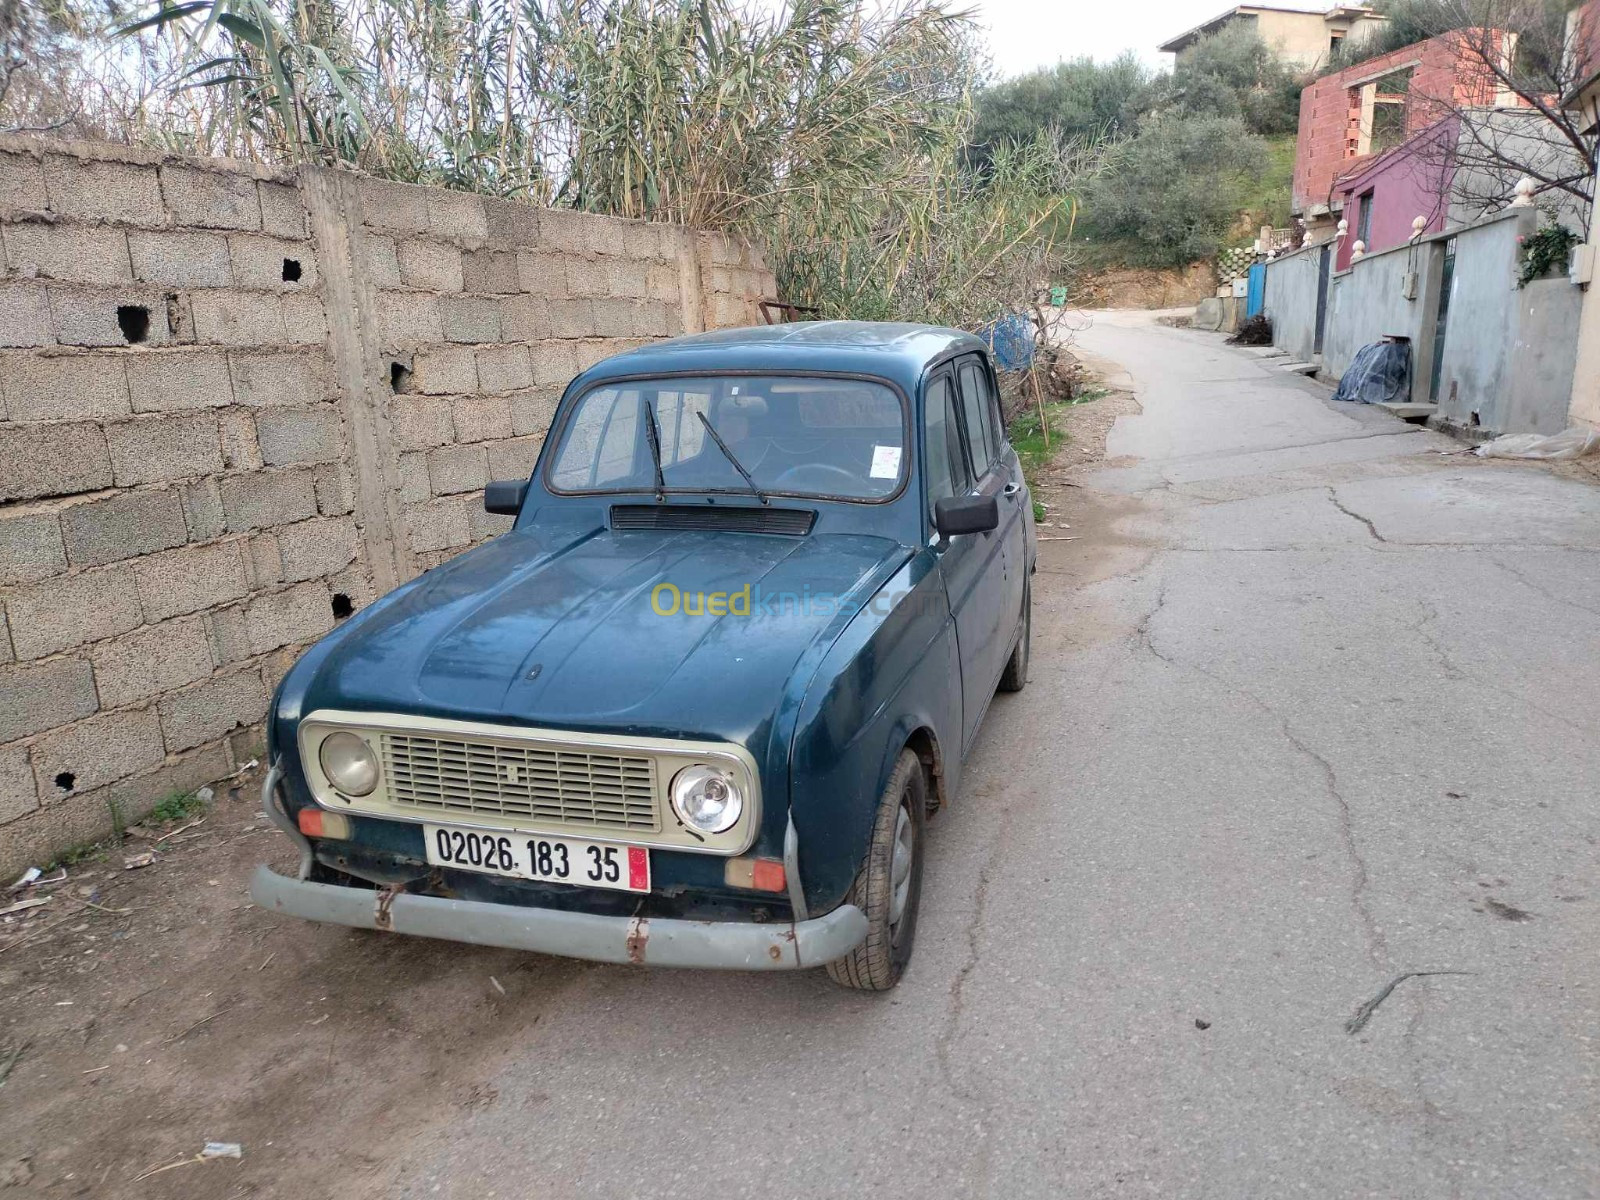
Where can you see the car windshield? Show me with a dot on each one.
(795, 435)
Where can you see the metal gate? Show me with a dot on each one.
(1256, 294)
(1324, 272)
(1447, 278)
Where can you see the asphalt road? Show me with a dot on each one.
(1312, 706)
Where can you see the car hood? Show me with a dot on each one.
(535, 629)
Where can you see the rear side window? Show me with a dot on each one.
(975, 405)
(947, 474)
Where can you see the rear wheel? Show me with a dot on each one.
(889, 884)
(1015, 676)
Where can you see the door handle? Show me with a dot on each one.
(1010, 490)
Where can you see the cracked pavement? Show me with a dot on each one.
(1312, 709)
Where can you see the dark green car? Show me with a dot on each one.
(696, 706)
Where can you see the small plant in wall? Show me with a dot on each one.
(1546, 253)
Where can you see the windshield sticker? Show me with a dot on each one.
(885, 462)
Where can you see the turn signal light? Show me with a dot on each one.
(319, 823)
(757, 874)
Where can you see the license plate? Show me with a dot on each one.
(547, 859)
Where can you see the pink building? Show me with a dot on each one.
(1383, 197)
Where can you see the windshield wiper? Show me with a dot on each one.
(653, 435)
(728, 454)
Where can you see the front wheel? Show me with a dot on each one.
(889, 884)
(1015, 676)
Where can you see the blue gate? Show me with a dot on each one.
(1256, 298)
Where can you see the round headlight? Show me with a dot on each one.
(349, 763)
(706, 800)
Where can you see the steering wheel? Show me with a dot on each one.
(798, 476)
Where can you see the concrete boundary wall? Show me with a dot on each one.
(235, 407)
(1507, 360)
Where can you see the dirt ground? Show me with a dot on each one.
(1141, 287)
(146, 1012)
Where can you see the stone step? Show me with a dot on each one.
(1417, 414)
(1298, 368)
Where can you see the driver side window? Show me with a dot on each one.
(946, 465)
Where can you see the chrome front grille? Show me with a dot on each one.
(454, 775)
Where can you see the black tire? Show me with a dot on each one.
(876, 964)
(1015, 677)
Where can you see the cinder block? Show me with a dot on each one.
(238, 318)
(263, 564)
(229, 635)
(316, 549)
(490, 271)
(444, 371)
(293, 617)
(268, 263)
(202, 510)
(430, 265)
(53, 460)
(542, 274)
(408, 319)
(299, 435)
(514, 458)
(592, 350)
(305, 323)
(641, 240)
(628, 278)
(334, 484)
(511, 222)
(524, 318)
(154, 660)
(153, 449)
(453, 469)
(383, 262)
(588, 277)
(188, 579)
(355, 584)
(236, 431)
(95, 752)
(18, 796)
(393, 207)
(571, 318)
(481, 525)
(457, 215)
(30, 546)
(39, 696)
(49, 387)
(473, 319)
(181, 258)
(21, 183)
(70, 611)
(725, 252)
(663, 282)
(532, 410)
(504, 368)
(103, 191)
(108, 317)
(25, 315)
(263, 379)
(554, 363)
(629, 318)
(208, 710)
(439, 525)
(481, 418)
(577, 233)
(414, 487)
(78, 253)
(420, 422)
(122, 526)
(282, 213)
(176, 380)
(267, 498)
(210, 199)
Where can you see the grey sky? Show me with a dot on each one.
(1024, 34)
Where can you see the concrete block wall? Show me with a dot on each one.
(236, 406)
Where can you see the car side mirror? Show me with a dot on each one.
(965, 514)
(505, 496)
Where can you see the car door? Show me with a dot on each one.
(978, 606)
(1016, 506)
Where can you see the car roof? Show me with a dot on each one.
(888, 350)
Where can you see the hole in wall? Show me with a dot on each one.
(1476, 420)
(291, 270)
(399, 378)
(342, 607)
(65, 781)
(134, 321)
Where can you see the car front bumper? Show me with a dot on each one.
(643, 941)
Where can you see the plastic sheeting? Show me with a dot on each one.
(1011, 338)
(1570, 443)
(1379, 374)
